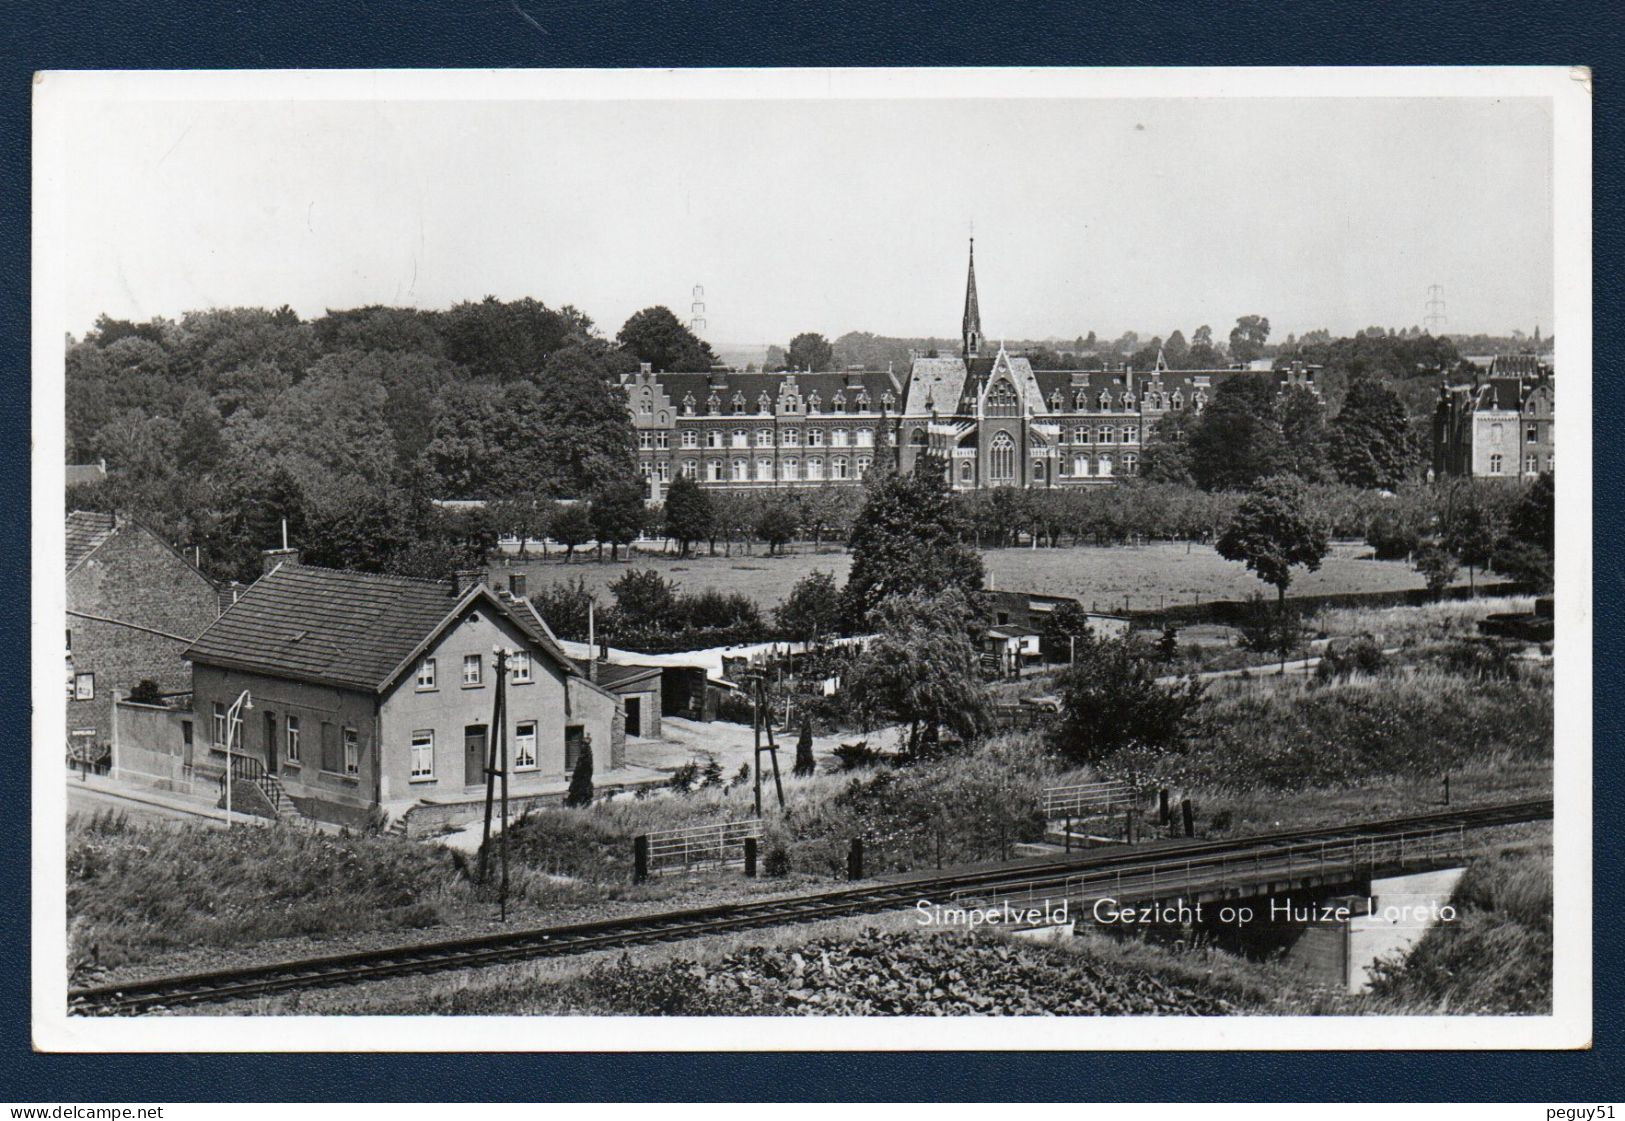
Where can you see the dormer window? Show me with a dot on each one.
(764, 403)
(887, 400)
(840, 401)
(739, 402)
(1105, 401)
(791, 404)
(1179, 399)
(1055, 401)
(863, 401)
(1082, 401)
(688, 405)
(1128, 401)
(1201, 400)
(713, 404)
(813, 402)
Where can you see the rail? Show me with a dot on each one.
(1369, 844)
(701, 845)
(1086, 799)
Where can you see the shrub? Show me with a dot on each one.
(683, 778)
(1266, 629)
(856, 756)
(1111, 700)
(146, 693)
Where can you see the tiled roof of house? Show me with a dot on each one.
(751, 386)
(351, 629)
(87, 530)
(612, 676)
(1516, 365)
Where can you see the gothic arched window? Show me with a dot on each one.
(1002, 459)
(1001, 400)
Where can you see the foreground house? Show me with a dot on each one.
(134, 604)
(375, 693)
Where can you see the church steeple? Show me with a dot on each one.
(970, 328)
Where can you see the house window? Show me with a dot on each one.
(1130, 434)
(646, 469)
(739, 403)
(741, 471)
(713, 404)
(1080, 434)
(575, 742)
(1105, 465)
(331, 761)
(663, 469)
(839, 401)
(1002, 460)
(524, 746)
(1130, 462)
(864, 463)
(1038, 470)
(423, 753)
(764, 470)
(1495, 464)
(1532, 434)
(741, 438)
(815, 468)
(352, 751)
(815, 437)
(837, 438)
(813, 403)
(967, 472)
(1178, 400)
(1531, 464)
(691, 438)
(838, 468)
(645, 441)
(1080, 465)
(792, 437)
(764, 437)
(866, 437)
(662, 440)
(1106, 434)
(713, 438)
(84, 686)
(764, 403)
(471, 669)
(426, 674)
(520, 664)
(219, 724)
(713, 470)
(791, 470)
(292, 748)
(691, 469)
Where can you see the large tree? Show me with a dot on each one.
(1248, 336)
(920, 669)
(618, 513)
(1110, 700)
(1275, 530)
(1238, 439)
(656, 336)
(810, 351)
(812, 610)
(586, 431)
(1303, 434)
(688, 514)
(909, 537)
(1370, 438)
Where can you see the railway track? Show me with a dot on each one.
(667, 926)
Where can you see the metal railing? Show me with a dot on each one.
(1087, 799)
(701, 845)
(1325, 861)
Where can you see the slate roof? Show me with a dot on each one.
(86, 531)
(350, 629)
(752, 386)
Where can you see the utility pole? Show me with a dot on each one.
(233, 719)
(760, 714)
(496, 764)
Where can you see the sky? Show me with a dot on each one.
(1089, 214)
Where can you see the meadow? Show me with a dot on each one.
(1132, 577)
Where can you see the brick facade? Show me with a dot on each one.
(134, 604)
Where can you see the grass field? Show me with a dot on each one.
(1139, 577)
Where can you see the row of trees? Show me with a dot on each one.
(357, 417)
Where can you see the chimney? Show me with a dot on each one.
(464, 579)
(646, 367)
(270, 558)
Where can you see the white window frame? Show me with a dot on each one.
(426, 676)
(815, 437)
(838, 468)
(519, 669)
(837, 438)
(815, 468)
(662, 440)
(219, 726)
(764, 470)
(350, 746)
(713, 438)
(764, 437)
(477, 664)
(691, 439)
(741, 471)
(421, 759)
(791, 469)
(290, 740)
(520, 760)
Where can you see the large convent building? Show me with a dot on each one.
(992, 418)
(1499, 426)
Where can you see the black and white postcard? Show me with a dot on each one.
(883, 559)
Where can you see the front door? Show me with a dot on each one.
(270, 743)
(634, 716)
(474, 755)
